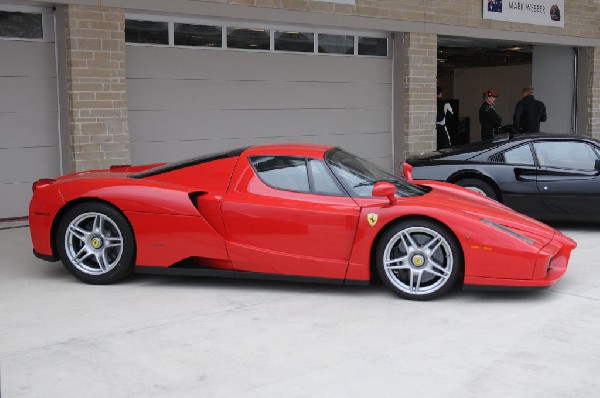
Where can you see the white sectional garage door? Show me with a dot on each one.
(28, 121)
(184, 102)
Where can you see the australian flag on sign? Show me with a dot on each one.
(495, 5)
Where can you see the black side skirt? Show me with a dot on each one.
(220, 273)
(500, 288)
(45, 257)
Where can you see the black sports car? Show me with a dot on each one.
(546, 176)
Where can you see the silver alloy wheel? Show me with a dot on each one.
(475, 189)
(93, 243)
(418, 260)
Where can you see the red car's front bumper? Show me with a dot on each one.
(550, 266)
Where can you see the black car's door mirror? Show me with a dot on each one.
(597, 165)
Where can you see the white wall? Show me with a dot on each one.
(553, 83)
(582, 84)
(507, 81)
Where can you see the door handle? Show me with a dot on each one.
(525, 174)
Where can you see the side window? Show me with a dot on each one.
(519, 155)
(148, 32)
(565, 154)
(21, 25)
(282, 172)
(323, 181)
(250, 39)
(197, 35)
(335, 44)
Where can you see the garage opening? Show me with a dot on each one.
(468, 66)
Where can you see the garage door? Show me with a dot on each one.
(189, 101)
(28, 110)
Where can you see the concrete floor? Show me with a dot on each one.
(159, 336)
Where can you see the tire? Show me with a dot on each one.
(96, 243)
(418, 259)
(478, 186)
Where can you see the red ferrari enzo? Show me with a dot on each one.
(304, 212)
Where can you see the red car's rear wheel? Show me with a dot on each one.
(96, 243)
(418, 259)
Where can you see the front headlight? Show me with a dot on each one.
(508, 231)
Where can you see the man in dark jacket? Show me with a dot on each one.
(529, 112)
(488, 118)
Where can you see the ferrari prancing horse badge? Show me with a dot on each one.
(372, 217)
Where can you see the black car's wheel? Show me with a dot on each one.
(96, 243)
(418, 259)
(478, 186)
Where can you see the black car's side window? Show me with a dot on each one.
(565, 154)
(519, 155)
(282, 172)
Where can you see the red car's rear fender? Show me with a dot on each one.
(43, 208)
(147, 205)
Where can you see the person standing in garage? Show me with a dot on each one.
(488, 117)
(443, 109)
(529, 112)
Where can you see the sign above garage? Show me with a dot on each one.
(536, 12)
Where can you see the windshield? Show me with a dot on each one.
(359, 176)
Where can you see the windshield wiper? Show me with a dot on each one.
(373, 182)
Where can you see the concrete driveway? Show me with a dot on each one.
(158, 336)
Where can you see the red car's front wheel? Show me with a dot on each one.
(418, 259)
(96, 243)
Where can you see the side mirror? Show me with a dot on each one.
(597, 165)
(407, 170)
(385, 189)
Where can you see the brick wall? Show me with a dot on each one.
(96, 88)
(593, 94)
(418, 62)
(582, 17)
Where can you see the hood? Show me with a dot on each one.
(472, 204)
